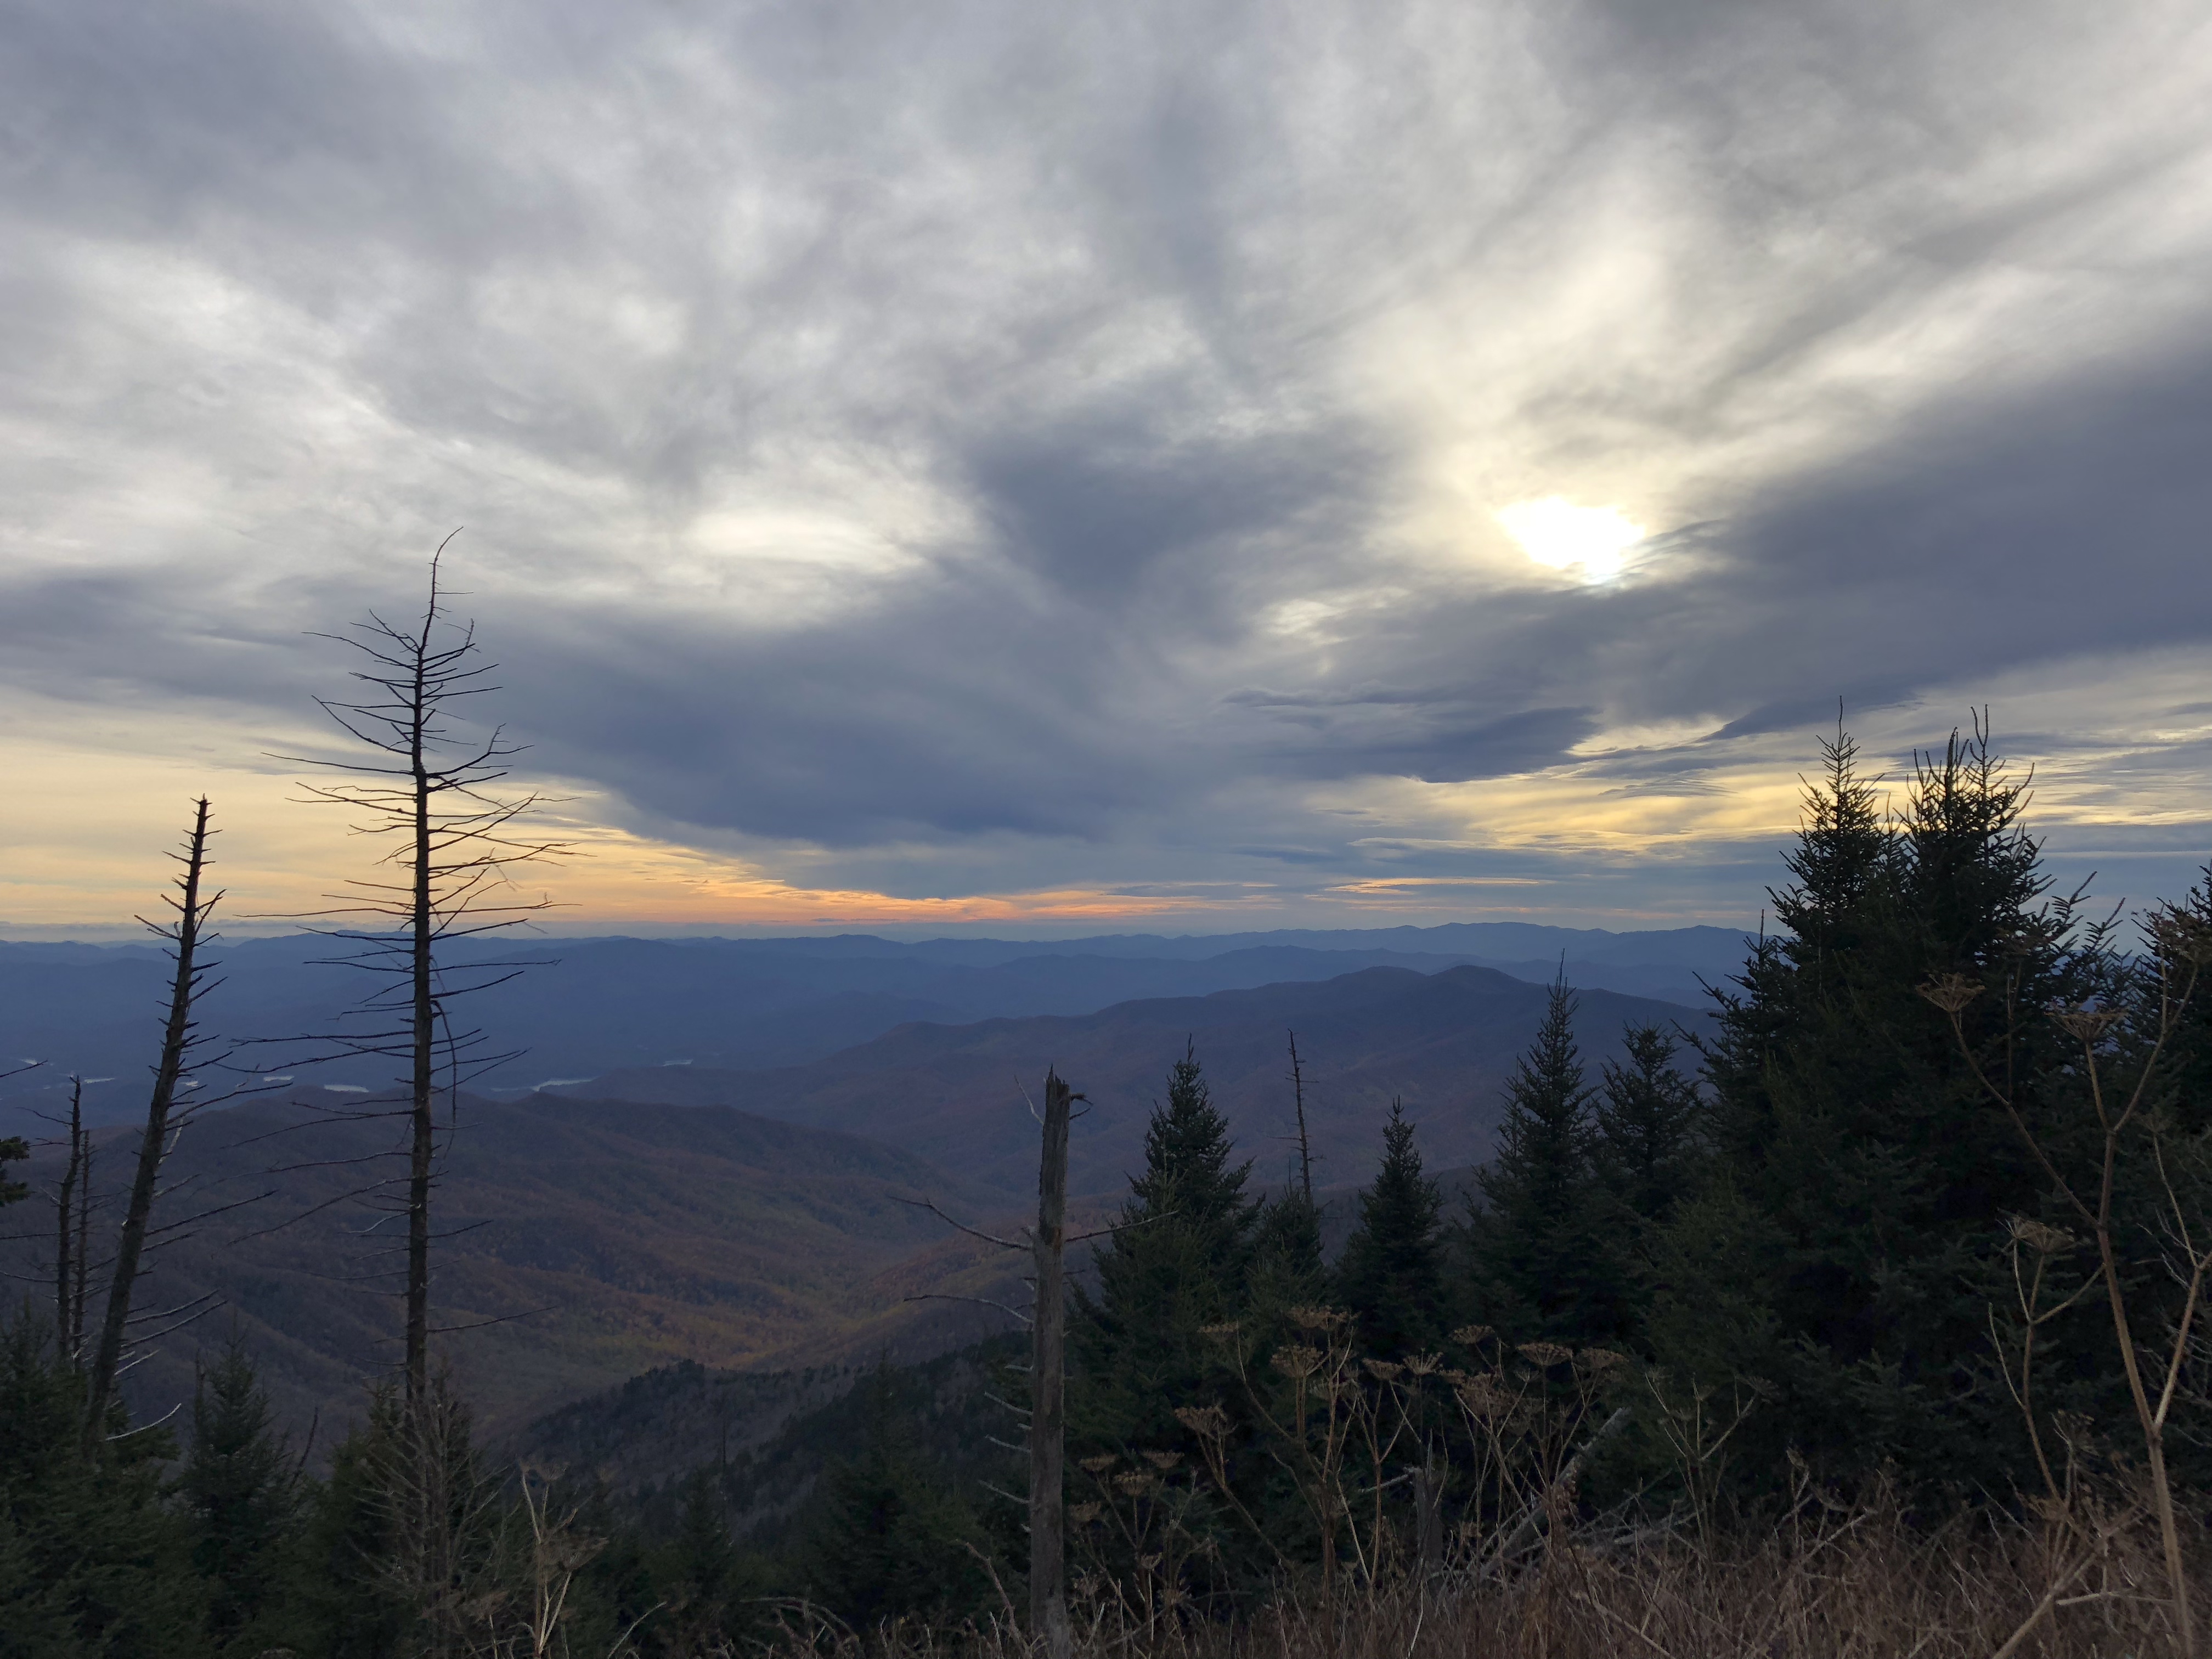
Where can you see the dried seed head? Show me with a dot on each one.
(1950, 991)
(1384, 1370)
(1098, 1464)
(1135, 1483)
(1220, 1333)
(1424, 1364)
(2039, 1236)
(2181, 937)
(1083, 1513)
(2085, 1025)
(1546, 1354)
(1297, 1359)
(1484, 1398)
(1469, 1335)
(1318, 1319)
(1206, 1422)
(1599, 1359)
(1162, 1460)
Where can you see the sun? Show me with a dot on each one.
(1592, 541)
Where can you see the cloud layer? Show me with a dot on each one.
(968, 449)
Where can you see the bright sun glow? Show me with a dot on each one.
(1594, 541)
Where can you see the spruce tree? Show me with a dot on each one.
(92, 1561)
(1180, 1263)
(13, 1149)
(1543, 1264)
(1287, 1268)
(241, 1484)
(348, 1602)
(1843, 1248)
(702, 1577)
(888, 1542)
(1392, 1275)
(1647, 1125)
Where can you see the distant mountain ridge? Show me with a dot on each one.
(744, 1219)
(1443, 1043)
(590, 1006)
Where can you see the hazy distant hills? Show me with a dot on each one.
(590, 1006)
(639, 1219)
(645, 1234)
(1444, 1042)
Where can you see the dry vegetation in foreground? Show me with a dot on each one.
(1827, 1583)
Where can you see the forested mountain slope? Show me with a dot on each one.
(604, 1239)
(1443, 1043)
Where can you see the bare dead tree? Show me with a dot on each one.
(72, 1224)
(184, 931)
(1305, 1145)
(1048, 1382)
(1047, 1247)
(426, 786)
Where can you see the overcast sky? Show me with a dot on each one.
(1065, 467)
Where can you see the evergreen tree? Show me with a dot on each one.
(1180, 1263)
(348, 1602)
(240, 1485)
(704, 1577)
(889, 1544)
(1543, 1266)
(2190, 1069)
(1287, 1268)
(1843, 1247)
(1647, 1122)
(13, 1149)
(1392, 1277)
(91, 1561)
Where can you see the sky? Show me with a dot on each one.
(974, 465)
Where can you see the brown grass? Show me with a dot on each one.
(1862, 1584)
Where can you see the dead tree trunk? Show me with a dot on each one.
(424, 1032)
(69, 1309)
(176, 1041)
(1048, 1400)
(427, 787)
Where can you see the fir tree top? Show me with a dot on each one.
(1392, 1276)
(1186, 1152)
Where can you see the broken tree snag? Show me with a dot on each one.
(177, 1042)
(1048, 1412)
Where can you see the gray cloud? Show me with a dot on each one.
(980, 443)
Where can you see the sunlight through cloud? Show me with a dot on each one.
(1592, 541)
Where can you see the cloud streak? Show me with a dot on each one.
(957, 451)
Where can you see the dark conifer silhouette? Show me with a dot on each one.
(890, 1542)
(1543, 1264)
(240, 1484)
(1178, 1263)
(1846, 1246)
(1647, 1126)
(1392, 1275)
